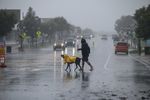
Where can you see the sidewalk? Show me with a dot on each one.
(145, 59)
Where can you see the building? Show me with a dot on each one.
(11, 38)
(15, 12)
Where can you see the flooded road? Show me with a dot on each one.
(38, 74)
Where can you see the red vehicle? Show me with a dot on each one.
(121, 47)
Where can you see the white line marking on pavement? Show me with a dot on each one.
(146, 65)
(22, 69)
(35, 70)
(107, 61)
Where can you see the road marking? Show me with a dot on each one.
(35, 69)
(145, 64)
(107, 62)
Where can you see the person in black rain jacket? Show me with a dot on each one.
(85, 49)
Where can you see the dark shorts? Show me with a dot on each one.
(85, 58)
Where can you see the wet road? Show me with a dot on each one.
(39, 75)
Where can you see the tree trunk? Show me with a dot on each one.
(139, 46)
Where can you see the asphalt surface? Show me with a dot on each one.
(38, 74)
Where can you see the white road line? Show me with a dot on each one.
(145, 64)
(35, 69)
(107, 62)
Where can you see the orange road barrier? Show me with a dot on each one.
(2, 56)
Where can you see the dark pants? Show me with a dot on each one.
(85, 59)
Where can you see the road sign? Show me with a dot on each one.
(38, 34)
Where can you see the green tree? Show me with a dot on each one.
(78, 30)
(142, 16)
(125, 27)
(61, 24)
(87, 31)
(30, 24)
(126, 24)
(58, 25)
(7, 22)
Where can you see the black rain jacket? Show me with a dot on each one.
(85, 49)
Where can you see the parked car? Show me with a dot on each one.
(121, 47)
(70, 43)
(59, 45)
(104, 37)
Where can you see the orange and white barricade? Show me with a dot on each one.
(2, 56)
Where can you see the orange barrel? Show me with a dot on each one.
(2, 55)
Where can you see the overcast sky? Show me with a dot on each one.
(99, 15)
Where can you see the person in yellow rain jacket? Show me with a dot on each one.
(70, 60)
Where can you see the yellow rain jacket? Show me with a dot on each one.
(69, 59)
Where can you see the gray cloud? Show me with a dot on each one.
(99, 15)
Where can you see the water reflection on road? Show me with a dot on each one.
(58, 60)
(38, 74)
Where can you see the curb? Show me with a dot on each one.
(141, 60)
